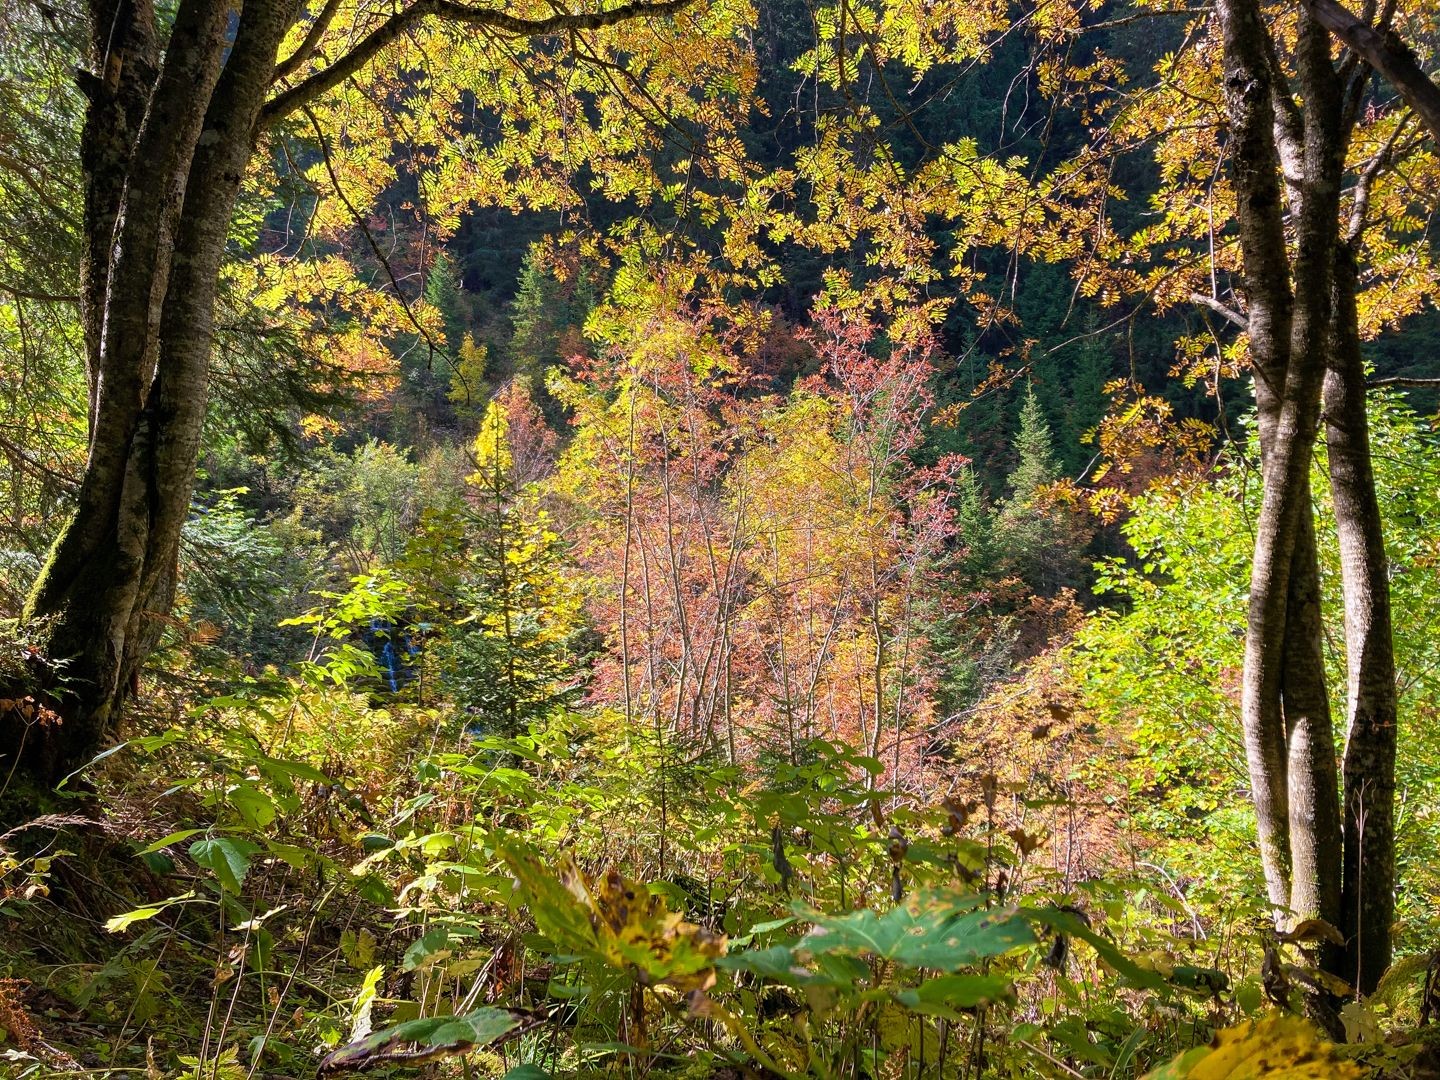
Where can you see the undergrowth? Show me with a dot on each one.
(293, 878)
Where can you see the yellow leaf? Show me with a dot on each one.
(1275, 1048)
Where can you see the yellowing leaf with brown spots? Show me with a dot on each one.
(1276, 1048)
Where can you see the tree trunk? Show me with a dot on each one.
(1256, 168)
(1315, 834)
(1285, 707)
(1368, 902)
(109, 582)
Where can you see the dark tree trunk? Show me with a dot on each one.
(1368, 905)
(159, 204)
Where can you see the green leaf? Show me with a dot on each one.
(227, 857)
(296, 770)
(166, 841)
(117, 923)
(255, 808)
(935, 930)
(942, 996)
(777, 963)
(554, 907)
(774, 924)
(1066, 923)
(526, 1071)
(433, 945)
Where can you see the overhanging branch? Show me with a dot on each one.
(305, 91)
(1404, 380)
(1387, 54)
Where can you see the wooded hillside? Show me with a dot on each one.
(719, 538)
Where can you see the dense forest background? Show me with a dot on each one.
(720, 546)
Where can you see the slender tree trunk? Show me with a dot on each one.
(1338, 854)
(1285, 708)
(1316, 837)
(124, 59)
(1312, 782)
(1368, 903)
(1256, 168)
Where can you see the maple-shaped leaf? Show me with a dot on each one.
(937, 929)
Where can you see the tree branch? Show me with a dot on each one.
(387, 32)
(1228, 314)
(41, 297)
(291, 63)
(1387, 54)
(1403, 380)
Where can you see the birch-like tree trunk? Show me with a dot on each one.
(1372, 702)
(1323, 857)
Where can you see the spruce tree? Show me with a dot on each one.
(443, 292)
(1040, 540)
(1035, 447)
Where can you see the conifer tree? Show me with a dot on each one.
(443, 292)
(546, 316)
(512, 659)
(1039, 539)
(1035, 446)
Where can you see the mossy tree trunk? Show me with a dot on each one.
(167, 137)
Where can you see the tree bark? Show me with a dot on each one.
(1368, 902)
(1256, 168)
(89, 587)
(124, 59)
(110, 579)
(1323, 857)
(1285, 707)
(1311, 779)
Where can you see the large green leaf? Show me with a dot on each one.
(227, 857)
(936, 930)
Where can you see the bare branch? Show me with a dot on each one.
(41, 297)
(1228, 314)
(389, 31)
(1403, 380)
(1387, 54)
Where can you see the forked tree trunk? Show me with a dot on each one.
(1284, 708)
(149, 291)
(1322, 857)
